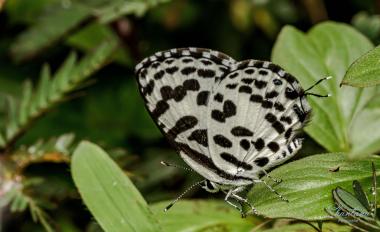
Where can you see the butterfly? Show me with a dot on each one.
(230, 121)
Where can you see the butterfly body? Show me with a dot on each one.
(229, 121)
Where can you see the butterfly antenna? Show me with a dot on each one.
(374, 191)
(176, 166)
(315, 84)
(182, 194)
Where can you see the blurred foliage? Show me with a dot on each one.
(99, 100)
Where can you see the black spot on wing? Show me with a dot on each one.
(233, 160)
(222, 141)
(233, 75)
(288, 133)
(249, 71)
(278, 106)
(143, 73)
(260, 84)
(206, 73)
(291, 93)
(218, 115)
(247, 81)
(231, 86)
(271, 94)
(261, 161)
(243, 65)
(274, 68)
(169, 61)
(179, 93)
(259, 144)
(188, 70)
(202, 98)
(148, 89)
(256, 98)
(183, 124)
(191, 85)
(245, 144)
(286, 119)
(187, 60)
(270, 117)
(158, 75)
(245, 89)
(289, 78)
(241, 131)
(278, 127)
(218, 97)
(263, 72)
(229, 108)
(166, 92)
(155, 64)
(273, 146)
(161, 107)
(200, 136)
(267, 104)
(258, 64)
(206, 62)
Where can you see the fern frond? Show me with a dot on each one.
(52, 90)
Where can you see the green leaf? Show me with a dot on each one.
(49, 28)
(117, 9)
(308, 183)
(108, 193)
(303, 227)
(349, 203)
(361, 195)
(327, 50)
(201, 215)
(365, 71)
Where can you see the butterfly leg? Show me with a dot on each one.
(272, 178)
(241, 199)
(271, 189)
(232, 193)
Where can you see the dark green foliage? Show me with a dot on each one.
(47, 107)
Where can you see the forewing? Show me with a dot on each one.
(176, 86)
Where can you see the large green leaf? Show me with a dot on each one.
(308, 183)
(108, 193)
(365, 71)
(202, 216)
(328, 49)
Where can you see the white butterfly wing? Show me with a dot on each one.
(176, 86)
(228, 120)
(255, 112)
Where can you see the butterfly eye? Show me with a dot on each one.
(277, 82)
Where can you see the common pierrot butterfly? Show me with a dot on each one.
(229, 121)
